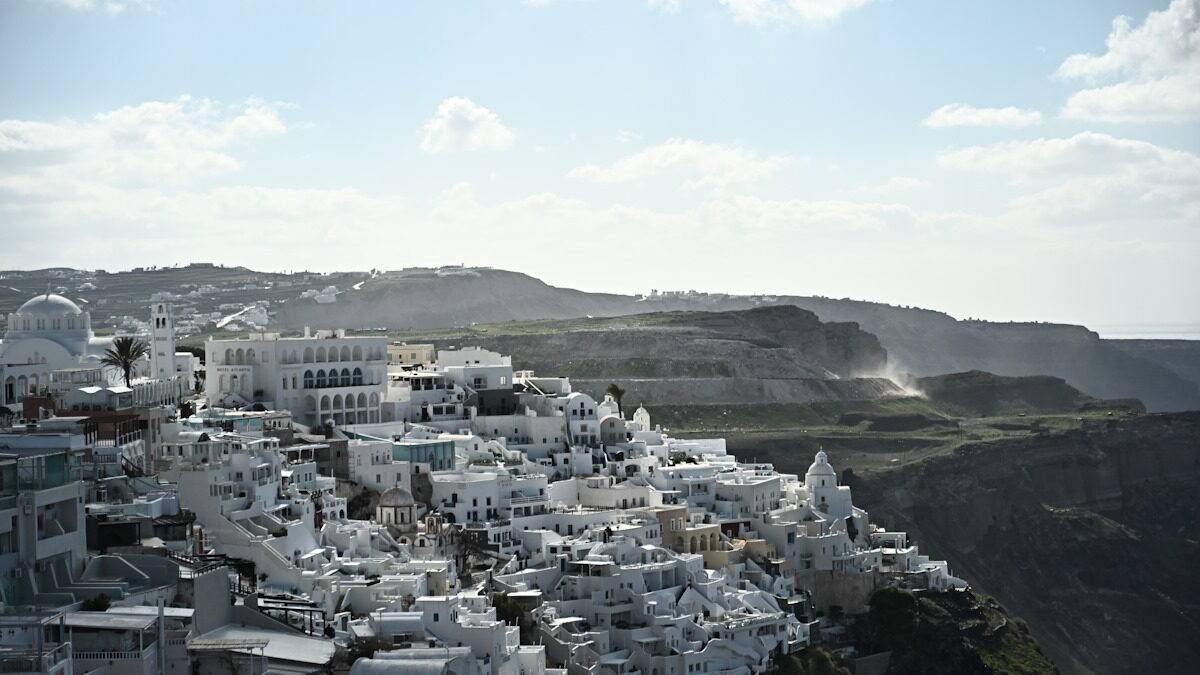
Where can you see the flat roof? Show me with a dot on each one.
(275, 644)
(104, 620)
(173, 612)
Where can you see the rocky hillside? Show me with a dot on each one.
(418, 299)
(980, 394)
(967, 633)
(954, 633)
(1091, 535)
(768, 354)
(1181, 357)
(920, 341)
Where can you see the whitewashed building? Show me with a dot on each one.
(323, 376)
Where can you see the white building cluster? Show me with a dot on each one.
(425, 511)
(627, 550)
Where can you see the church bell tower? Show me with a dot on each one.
(162, 346)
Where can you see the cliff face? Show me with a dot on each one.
(1091, 535)
(1181, 357)
(769, 354)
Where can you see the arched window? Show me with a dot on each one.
(345, 353)
(308, 355)
(239, 357)
(357, 380)
(224, 383)
(308, 379)
(320, 355)
(357, 353)
(233, 384)
(345, 377)
(228, 356)
(320, 379)
(333, 354)
(250, 356)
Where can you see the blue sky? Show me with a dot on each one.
(1011, 161)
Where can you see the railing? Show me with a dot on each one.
(484, 524)
(198, 565)
(30, 661)
(133, 655)
(118, 439)
(515, 501)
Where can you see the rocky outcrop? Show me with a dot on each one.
(769, 354)
(769, 342)
(980, 394)
(967, 633)
(1089, 535)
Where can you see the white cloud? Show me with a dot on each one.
(157, 141)
(1091, 179)
(146, 169)
(1157, 62)
(708, 165)
(667, 6)
(110, 6)
(892, 186)
(462, 125)
(960, 115)
(761, 12)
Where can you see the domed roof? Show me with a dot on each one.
(820, 466)
(396, 496)
(49, 305)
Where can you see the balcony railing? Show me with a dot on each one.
(30, 661)
(132, 655)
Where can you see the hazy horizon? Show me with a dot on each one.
(1029, 162)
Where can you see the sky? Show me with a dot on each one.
(1031, 161)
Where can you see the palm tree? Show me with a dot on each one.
(617, 393)
(124, 354)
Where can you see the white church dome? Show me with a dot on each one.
(396, 496)
(821, 466)
(48, 305)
